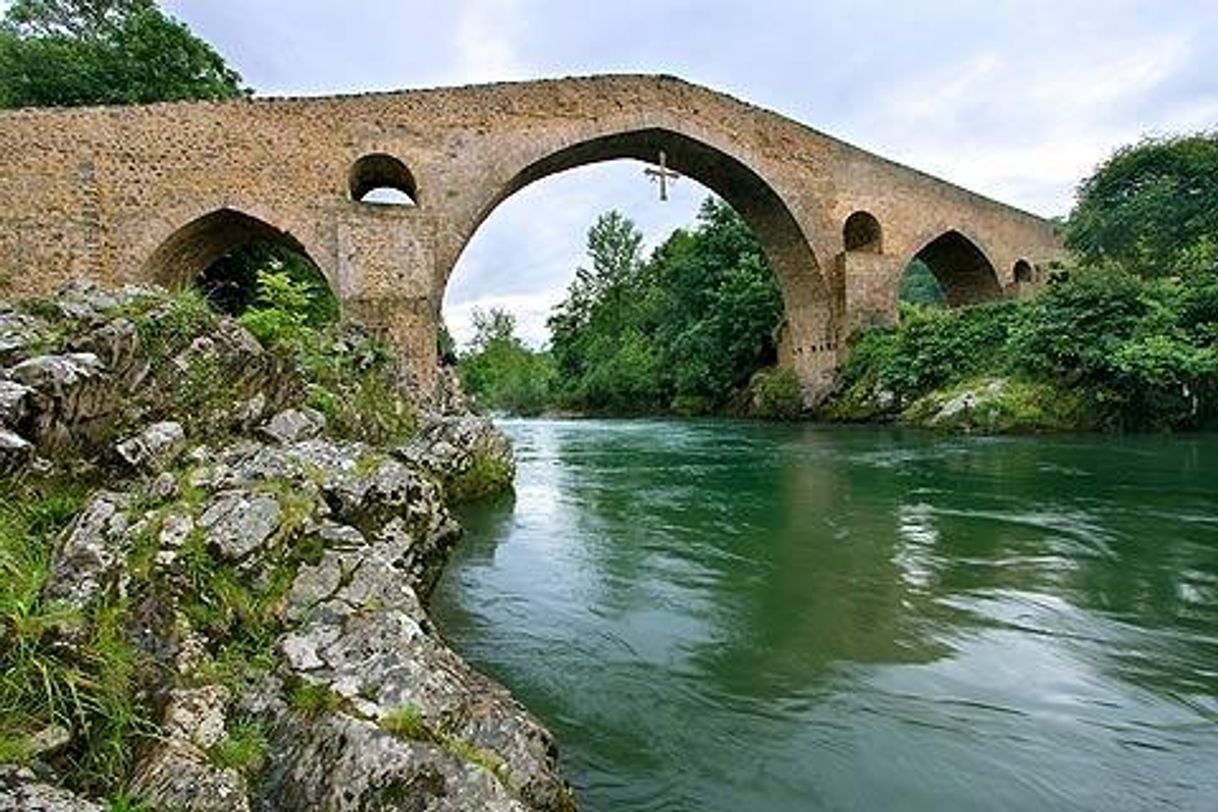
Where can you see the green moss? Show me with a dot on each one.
(471, 753)
(1003, 406)
(407, 722)
(244, 749)
(778, 394)
(488, 474)
(311, 699)
(167, 329)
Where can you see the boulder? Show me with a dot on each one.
(239, 522)
(154, 448)
(294, 425)
(16, 453)
(21, 791)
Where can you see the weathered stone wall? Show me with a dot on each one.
(156, 192)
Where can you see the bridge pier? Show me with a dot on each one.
(869, 284)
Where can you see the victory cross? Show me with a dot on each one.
(663, 174)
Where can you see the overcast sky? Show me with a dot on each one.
(1016, 99)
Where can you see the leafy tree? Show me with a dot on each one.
(500, 371)
(1152, 208)
(79, 52)
(919, 286)
(686, 329)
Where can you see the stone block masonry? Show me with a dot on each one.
(158, 192)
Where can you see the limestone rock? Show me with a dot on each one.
(14, 403)
(467, 453)
(344, 764)
(16, 453)
(71, 395)
(239, 522)
(89, 556)
(21, 791)
(154, 448)
(177, 775)
(294, 425)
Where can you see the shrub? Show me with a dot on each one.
(778, 394)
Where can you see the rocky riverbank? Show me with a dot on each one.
(216, 570)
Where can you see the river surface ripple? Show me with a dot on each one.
(738, 616)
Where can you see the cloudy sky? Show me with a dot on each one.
(1017, 99)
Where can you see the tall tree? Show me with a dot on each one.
(78, 52)
(1152, 208)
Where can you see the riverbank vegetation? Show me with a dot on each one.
(1125, 336)
(684, 330)
(1122, 337)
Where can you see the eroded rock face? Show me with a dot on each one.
(466, 452)
(332, 546)
(21, 791)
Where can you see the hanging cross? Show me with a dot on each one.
(663, 175)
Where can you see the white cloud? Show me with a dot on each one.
(485, 41)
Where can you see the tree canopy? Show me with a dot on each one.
(685, 329)
(1151, 208)
(81, 52)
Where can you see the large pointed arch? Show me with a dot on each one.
(961, 267)
(810, 337)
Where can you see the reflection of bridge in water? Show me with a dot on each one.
(162, 191)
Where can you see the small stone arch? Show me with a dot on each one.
(183, 257)
(1024, 271)
(961, 268)
(861, 232)
(382, 179)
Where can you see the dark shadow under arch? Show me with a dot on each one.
(961, 268)
(1023, 271)
(862, 232)
(184, 257)
(380, 173)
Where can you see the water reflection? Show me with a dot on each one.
(736, 616)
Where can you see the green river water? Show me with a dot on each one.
(738, 616)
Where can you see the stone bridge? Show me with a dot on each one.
(159, 192)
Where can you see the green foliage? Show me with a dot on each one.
(1104, 349)
(287, 303)
(685, 329)
(919, 286)
(312, 699)
(1003, 405)
(244, 749)
(501, 372)
(777, 394)
(79, 52)
(488, 474)
(168, 329)
(407, 722)
(233, 284)
(1152, 208)
(91, 687)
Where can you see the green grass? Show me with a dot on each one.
(311, 699)
(407, 722)
(244, 749)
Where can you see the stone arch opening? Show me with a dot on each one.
(1023, 271)
(963, 271)
(862, 232)
(221, 254)
(809, 340)
(382, 179)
